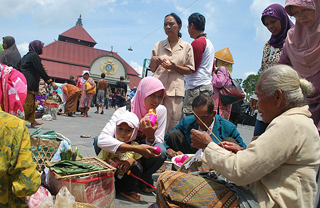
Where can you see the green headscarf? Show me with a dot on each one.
(221, 63)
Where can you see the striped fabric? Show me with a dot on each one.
(176, 189)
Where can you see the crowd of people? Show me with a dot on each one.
(278, 168)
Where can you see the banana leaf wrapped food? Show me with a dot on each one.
(66, 167)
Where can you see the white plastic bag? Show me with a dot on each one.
(47, 117)
(64, 198)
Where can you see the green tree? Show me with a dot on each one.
(249, 85)
(1, 48)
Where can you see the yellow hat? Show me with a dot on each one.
(224, 55)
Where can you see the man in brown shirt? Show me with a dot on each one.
(102, 88)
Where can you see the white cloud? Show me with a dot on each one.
(47, 12)
(138, 68)
(16, 7)
(23, 48)
(246, 74)
(210, 11)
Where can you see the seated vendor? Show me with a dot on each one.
(281, 165)
(177, 140)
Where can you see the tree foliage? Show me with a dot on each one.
(249, 85)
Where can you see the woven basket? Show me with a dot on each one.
(83, 205)
(90, 160)
(43, 150)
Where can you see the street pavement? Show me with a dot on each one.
(74, 127)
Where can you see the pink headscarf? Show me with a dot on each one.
(302, 43)
(146, 87)
(132, 120)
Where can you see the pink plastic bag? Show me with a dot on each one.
(42, 198)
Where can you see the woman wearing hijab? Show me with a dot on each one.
(276, 20)
(171, 60)
(10, 56)
(302, 48)
(32, 68)
(87, 85)
(149, 95)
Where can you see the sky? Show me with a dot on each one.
(121, 24)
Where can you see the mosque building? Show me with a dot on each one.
(74, 52)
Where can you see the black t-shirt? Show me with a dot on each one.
(31, 67)
(121, 88)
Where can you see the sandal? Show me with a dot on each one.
(147, 189)
(133, 196)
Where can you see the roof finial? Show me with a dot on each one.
(79, 22)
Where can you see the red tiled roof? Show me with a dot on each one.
(79, 33)
(62, 59)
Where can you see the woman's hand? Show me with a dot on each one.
(173, 153)
(147, 128)
(157, 60)
(231, 146)
(146, 151)
(200, 139)
(168, 64)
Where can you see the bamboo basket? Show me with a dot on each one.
(83, 205)
(43, 150)
(90, 160)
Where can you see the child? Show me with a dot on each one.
(126, 131)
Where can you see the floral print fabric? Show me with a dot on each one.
(18, 174)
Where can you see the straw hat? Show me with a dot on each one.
(224, 55)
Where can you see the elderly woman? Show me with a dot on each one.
(280, 166)
(171, 60)
(302, 48)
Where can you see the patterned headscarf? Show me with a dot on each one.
(36, 46)
(302, 42)
(308, 4)
(146, 87)
(277, 11)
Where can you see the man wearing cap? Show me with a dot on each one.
(71, 80)
(133, 92)
(121, 93)
(200, 80)
(102, 87)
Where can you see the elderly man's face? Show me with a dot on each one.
(202, 113)
(267, 105)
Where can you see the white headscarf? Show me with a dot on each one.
(132, 120)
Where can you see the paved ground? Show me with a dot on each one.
(74, 127)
